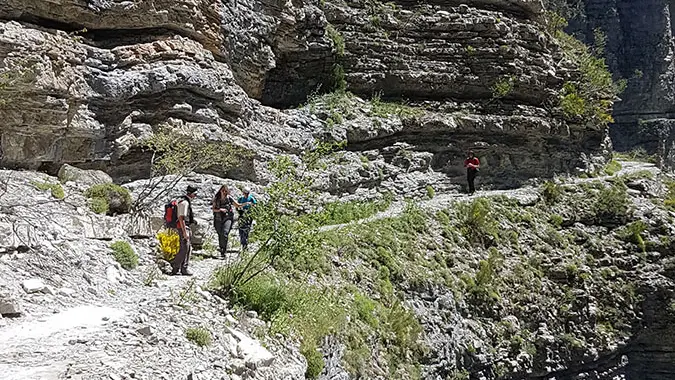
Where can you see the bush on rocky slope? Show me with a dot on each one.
(124, 254)
(109, 199)
(55, 188)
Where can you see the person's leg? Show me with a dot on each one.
(188, 252)
(227, 226)
(244, 230)
(177, 262)
(471, 177)
(222, 240)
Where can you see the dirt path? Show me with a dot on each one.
(526, 195)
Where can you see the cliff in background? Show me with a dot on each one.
(480, 75)
(639, 47)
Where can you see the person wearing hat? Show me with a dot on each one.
(245, 220)
(185, 219)
(472, 165)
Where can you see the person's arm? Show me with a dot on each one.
(213, 204)
(235, 203)
(182, 211)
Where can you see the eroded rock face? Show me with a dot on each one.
(197, 67)
(639, 48)
(488, 74)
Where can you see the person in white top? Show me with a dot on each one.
(185, 219)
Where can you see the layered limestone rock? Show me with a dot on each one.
(639, 48)
(489, 76)
(485, 73)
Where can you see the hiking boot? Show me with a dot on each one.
(185, 272)
(174, 272)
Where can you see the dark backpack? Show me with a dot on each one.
(171, 213)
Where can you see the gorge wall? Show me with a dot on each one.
(479, 75)
(639, 48)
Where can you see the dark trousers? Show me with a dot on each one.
(471, 177)
(223, 225)
(244, 230)
(182, 259)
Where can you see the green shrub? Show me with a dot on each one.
(431, 193)
(612, 203)
(345, 212)
(199, 336)
(98, 205)
(502, 88)
(552, 192)
(477, 222)
(632, 233)
(315, 362)
(365, 309)
(338, 40)
(55, 188)
(612, 167)
(109, 198)
(670, 197)
(556, 220)
(124, 254)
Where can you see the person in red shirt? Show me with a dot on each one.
(472, 164)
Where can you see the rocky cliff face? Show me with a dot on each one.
(639, 48)
(105, 75)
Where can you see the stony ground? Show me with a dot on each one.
(81, 316)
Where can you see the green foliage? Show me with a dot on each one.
(99, 205)
(632, 233)
(199, 336)
(612, 203)
(315, 362)
(556, 220)
(312, 158)
(638, 154)
(338, 40)
(591, 96)
(339, 79)
(345, 212)
(552, 192)
(13, 78)
(55, 188)
(503, 87)
(477, 222)
(124, 254)
(383, 109)
(470, 50)
(176, 154)
(670, 197)
(612, 167)
(109, 198)
(485, 285)
(365, 309)
(431, 193)
(459, 374)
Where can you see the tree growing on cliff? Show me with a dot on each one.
(589, 93)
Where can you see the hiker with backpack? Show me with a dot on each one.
(245, 220)
(178, 215)
(223, 216)
(472, 165)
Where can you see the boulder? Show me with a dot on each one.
(87, 178)
(9, 307)
(33, 285)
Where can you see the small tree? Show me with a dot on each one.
(175, 155)
(279, 228)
